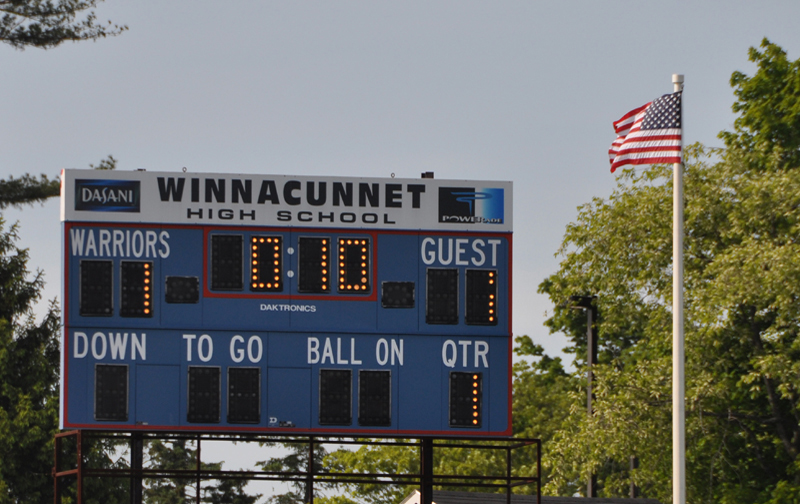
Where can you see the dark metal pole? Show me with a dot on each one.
(80, 467)
(634, 465)
(310, 472)
(56, 465)
(591, 337)
(137, 458)
(197, 497)
(426, 471)
(587, 303)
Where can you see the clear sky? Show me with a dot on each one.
(520, 91)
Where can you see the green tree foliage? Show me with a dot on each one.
(47, 23)
(769, 107)
(29, 356)
(181, 454)
(294, 461)
(742, 292)
(27, 190)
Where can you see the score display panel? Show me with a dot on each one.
(278, 304)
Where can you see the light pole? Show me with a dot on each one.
(587, 303)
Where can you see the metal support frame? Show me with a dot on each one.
(427, 478)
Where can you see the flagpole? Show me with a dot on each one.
(678, 378)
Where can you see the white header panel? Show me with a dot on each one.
(285, 201)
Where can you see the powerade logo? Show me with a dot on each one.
(471, 205)
(107, 195)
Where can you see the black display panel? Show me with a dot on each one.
(204, 395)
(442, 296)
(315, 265)
(96, 288)
(111, 392)
(182, 289)
(335, 397)
(244, 393)
(374, 398)
(226, 262)
(397, 294)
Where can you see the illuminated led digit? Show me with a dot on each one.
(266, 264)
(136, 294)
(466, 397)
(354, 275)
(481, 297)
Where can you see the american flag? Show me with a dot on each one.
(649, 134)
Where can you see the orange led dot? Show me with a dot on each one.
(255, 277)
(491, 303)
(341, 249)
(261, 285)
(269, 286)
(475, 422)
(147, 296)
(341, 280)
(324, 279)
(355, 287)
(349, 242)
(277, 270)
(491, 274)
(491, 319)
(277, 248)
(147, 303)
(474, 406)
(363, 249)
(341, 265)
(491, 282)
(255, 247)
(277, 255)
(324, 272)
(324, 241)
(255, 262)
(255, 285)
(277, 278)
(147, 280)
(491, 311)
(475, 377)
(146, 311)
(323, 263)
(363, 272)
(363, 265)
(475, 392)
(146, 288)
(363, 280)
(255, 255)
(491, 296)
(276, 262)
(474, 399)
(146, 273)
(349, 287)
(475, 414)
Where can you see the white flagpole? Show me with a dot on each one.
(678, 379)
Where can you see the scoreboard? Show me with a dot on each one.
(285, 304)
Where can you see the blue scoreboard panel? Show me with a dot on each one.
(280, 304)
